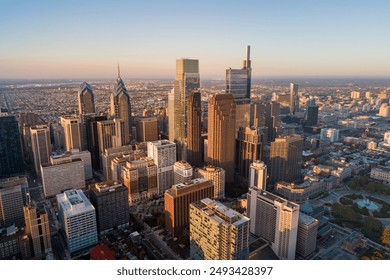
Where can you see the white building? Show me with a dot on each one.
(163, 153)
(384, 110)
(215, 175)
(182, 172)
(217, 232)
(381, 173)
(258, 175)
(330, 134)
(77, 219)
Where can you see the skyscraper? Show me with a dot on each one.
(91, 130)
(194, 139)
(221, 130)
(217, 232)
(111, 134)
(41, 146)
(258, 175)
(10, 147)
(86, 99)
(177, 203)
(182, 172)
(120, 107)
(286, 158)
(249, 148)
(187, 80)
(146, 129)
(311, 115)
(215, 175)
(72, 132)
(307, 235)
(294, 98)
(273, 121)
(276, 220)
(11, 203)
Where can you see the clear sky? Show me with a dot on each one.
(86, 39)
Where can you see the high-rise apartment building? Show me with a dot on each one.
(217, 232)
(177, 203)
(120, 107)
(294, 98)
(311, 114)
(110, 201)
(11, 201)
(182, 172)
(10, 147)
(146, 129)
(86, 99)
(276, 220)
(187, 80)
(221, 133)
(194, 139)
(307, 235)
(41, 145)
(217, 176)
(140, 178)
(77, 219)
(258, 175)
(286, 158)
(38, 230)
(163, 153)
(72, 132)
(249, 148)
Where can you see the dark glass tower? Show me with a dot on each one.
(194, 139)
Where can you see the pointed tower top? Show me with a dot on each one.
(119, 72)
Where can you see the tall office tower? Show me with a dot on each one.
(146, 129)
(217, 176)
(120, 107)
(272, 120)
(311, 115)
(56, 133)
(77, 219)
(294, 98)
(111, 134)
(72, 132)
(307, 235)
(28, 119)
(221, 130)
(286, 158)
(194, 139)
(111, 205)
(177, 201)
(41, 145)
(111, 153)
(10, 147)
(86, 99)
(163, 153)
(11, 202)
(258, 175)
(187, 80)
(182, 172)
(140, 178)
(276, 220)
(16, 182)
(257, 115)
(62, 173)
(91, 131)
(38, 230)
(249, 148)
(217, 232)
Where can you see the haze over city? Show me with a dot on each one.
(73, 39)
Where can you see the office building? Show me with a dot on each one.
(217, 232)
(120, 161)
(276, 220)
(72, 132)
(187, 80)
(294, 99)
(41, 145)
(182, 172)
(258, 175)
(62, 173)
(111, 134)
(38, 230)
(163, 153)
(273, 121)
(307, 235)
(146, 129)
(249, 148)
(177, 203)
(221, 131)
(381, 173)
(10, 147)
(86, 99)
(257, 115)
(28, 119)
(111, 205)
(304, 191)
(140, 178)
(217, 176)
(16, 181)
(11, 201)
(77, 219)
(194, 139)
(311, 114)
(286, 158)
(330, 134)
(92, 139)
(120, 107)
(111, 153)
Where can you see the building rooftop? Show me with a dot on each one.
(107, 186)
(382, 168)
(306, 219)
(274, 198)
(74, 202)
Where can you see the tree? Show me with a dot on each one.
(372, 228)
(386, 236)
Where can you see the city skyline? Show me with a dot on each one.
(65, 40)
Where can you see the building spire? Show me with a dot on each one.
(119, 72)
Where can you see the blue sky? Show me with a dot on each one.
(86, 39)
